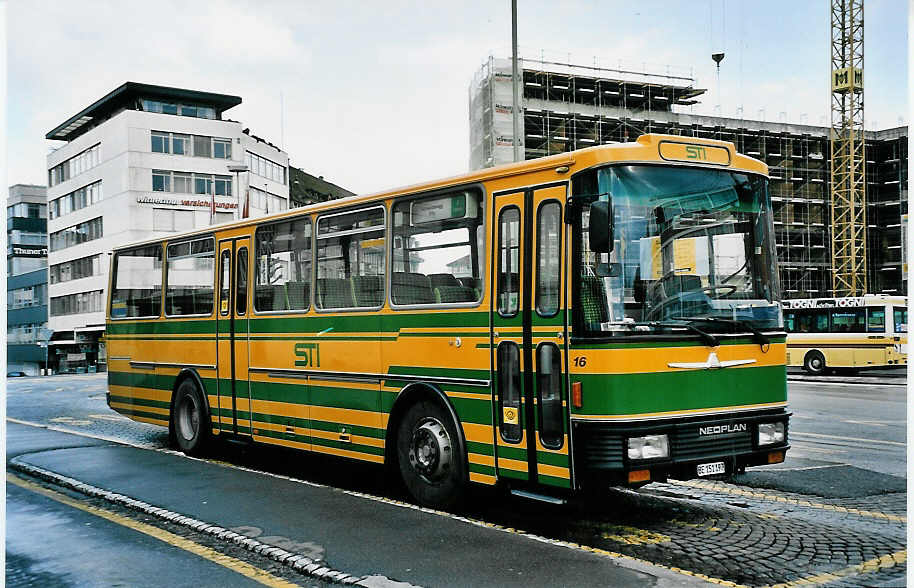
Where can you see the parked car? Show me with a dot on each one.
(16, 374)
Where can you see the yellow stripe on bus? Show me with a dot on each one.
(677, 412)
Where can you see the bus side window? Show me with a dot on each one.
(508, 261)
(875, 320)
(820, 322)
(900, 315)
(790, 321)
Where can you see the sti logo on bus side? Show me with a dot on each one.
(696, 152)
(723, 429)
(309, 354)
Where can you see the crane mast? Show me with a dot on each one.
(848, 162)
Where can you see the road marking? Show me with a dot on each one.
(803, 469)
(871, 565)
(109, 417)
(807, 447)
(71, 421)
(840, 438)
(774, 498)
(207, 553)
(876, 423)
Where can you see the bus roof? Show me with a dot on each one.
(649, 148)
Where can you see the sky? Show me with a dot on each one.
(373, 95)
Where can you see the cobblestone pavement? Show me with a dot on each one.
(731, 533)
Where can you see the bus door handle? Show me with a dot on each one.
(874, 336)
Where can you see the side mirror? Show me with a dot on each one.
(600, 230)
(608, 270)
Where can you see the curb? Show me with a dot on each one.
(300, 563)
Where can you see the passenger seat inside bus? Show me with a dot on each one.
(411, 288)
(448, 289)
(368, 291)
(334, 293)
(298, 295)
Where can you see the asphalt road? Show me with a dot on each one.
(836, 506)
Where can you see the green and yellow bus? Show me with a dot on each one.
(850, 333)
(608, 316)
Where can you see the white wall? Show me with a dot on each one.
(126, 168)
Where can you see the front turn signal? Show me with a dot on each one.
(577, 395)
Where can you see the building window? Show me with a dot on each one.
(29, 296)
(182, 183)
(222, 148)
(74, 166)
(160, 142)
(78, 303)
(186, 183)
(76, 200)
(265, 168)
(267, 201)
(75, 269)
(168, 220)
(203, 146)
(179, 109)
(81, 233)
(161, 181)
(180, 144)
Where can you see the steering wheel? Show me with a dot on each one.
(730, 289)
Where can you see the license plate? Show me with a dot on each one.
(709, 469)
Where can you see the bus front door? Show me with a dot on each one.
(529, 337)
(233, 311)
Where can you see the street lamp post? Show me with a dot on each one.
(237, 169)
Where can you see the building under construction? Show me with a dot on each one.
(567, 107)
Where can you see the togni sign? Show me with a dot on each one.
(192, 202)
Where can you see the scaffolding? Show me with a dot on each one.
(573, 107)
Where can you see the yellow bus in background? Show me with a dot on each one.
(858, 332)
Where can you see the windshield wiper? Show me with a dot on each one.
(709, 339)
(759, 337)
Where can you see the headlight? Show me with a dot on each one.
(770, 433)
(648, 447)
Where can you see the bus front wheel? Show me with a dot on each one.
(429, 456)
(190, 419)
(814, 363)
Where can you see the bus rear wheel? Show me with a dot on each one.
(429, 456)
(814, 363)
(190, 419)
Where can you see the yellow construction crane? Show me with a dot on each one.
(848, 163)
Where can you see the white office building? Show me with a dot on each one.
(142, 162)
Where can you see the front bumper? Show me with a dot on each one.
(600, 449)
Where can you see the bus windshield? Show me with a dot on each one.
(690, 244)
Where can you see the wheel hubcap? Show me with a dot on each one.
(188, 418)
(430, 449)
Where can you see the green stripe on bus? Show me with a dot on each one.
(140, 402)
(479, 468)
(512, 453)
(480, 448)
(623, 394)
(553, 481)
(556, 459)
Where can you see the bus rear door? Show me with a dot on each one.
(233, 331)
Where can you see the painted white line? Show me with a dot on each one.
(821, 467)
(840, 438)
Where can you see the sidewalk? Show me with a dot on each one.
(358, 535)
